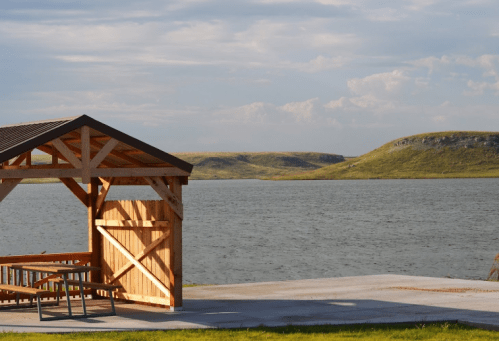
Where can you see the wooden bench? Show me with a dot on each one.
(28, 291)
(91, 285)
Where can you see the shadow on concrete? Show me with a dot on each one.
(240, 314)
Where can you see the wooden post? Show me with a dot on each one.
(176, 250)
(55, 158)
(85, 154)
(94, 237)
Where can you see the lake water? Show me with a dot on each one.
(249, 230)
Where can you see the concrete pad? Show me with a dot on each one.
(337, 301)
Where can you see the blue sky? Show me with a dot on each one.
(332, 76)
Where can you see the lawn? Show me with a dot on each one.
(420, 331)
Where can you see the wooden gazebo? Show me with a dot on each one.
(136, 244)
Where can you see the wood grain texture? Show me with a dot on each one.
(144, 228)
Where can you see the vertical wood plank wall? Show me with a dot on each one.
(136, 286)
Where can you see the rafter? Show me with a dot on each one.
(116, 153)
(164, 192)
(66, 152)
(76, 189)
(77, 152)
(106, 185)
(133, 152)
(101, 155)
(19, 160)
(95, 138)
(7, 186)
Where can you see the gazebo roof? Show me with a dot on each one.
(127, 151)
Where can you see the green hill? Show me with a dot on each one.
(210, 165)
(432, 155)
(254, 165)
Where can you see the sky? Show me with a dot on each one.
(332, 76)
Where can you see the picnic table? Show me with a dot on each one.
(63, 270)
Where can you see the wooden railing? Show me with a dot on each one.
(9, 276)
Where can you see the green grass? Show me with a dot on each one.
(211, 165)
(430, 331)
(415, 161)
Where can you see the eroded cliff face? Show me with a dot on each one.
(458, 140)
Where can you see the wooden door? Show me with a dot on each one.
(136, 249)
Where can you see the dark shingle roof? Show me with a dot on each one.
(19, 138)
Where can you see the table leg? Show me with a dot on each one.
(33, 280)
(18, 280)
(82, 293)
(65, 277)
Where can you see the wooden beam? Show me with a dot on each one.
(78, 151)
(54, 153)
(114, 152)
(76, 189)
(133, 152)
(43, 166)
(118, 273)
(28, 158)
(19, 160)
(141, 298)
(131, 258)
(160, 187)
(51, 150)
(101, 155)
(94, 240)
(132, 223)
(7, 186)
(66, 152)
(106, 185)
(94, 138)
(137, 172)
(176, 250)
(130, 182)
(64, 171)
(85, 154)
(122, 156)
(40, 173)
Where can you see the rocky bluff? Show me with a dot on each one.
(460, 140)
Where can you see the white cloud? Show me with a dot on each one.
(478, 88)
(323, 2)
(386, 14)
(77, 37)
(302, 111)
(488, 62)
(321, 63)
(418, 5)
(195, 33)
(431, 63)
(253, 113)
(380, 84)
(337, 104)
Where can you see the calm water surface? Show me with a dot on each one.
(249, 230)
